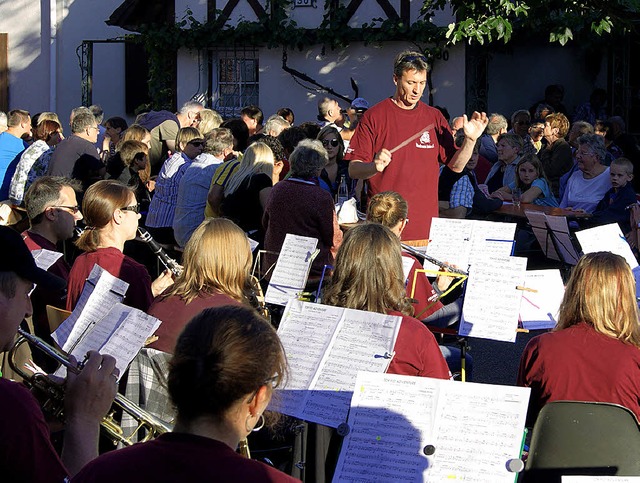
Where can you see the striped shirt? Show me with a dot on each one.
(163, 204)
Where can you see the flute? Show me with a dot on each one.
(444, 266)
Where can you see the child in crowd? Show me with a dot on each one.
(531, 182)
(613, 207)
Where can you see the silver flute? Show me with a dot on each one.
(445, 266)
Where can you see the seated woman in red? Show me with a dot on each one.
(217, 271)
(593, 354)
(111, 213)
(368, 276)
(226, 364)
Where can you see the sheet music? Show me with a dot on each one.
(460, 242)
(560, 228)
(539, 309)
(473, 428)
(483, 315)
(600, 479)
(45, 258)
(101, 291)
(606, 238)
(325, 347)
(292, 268)
(407, 263)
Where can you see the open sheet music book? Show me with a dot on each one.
(326, 347)
(541, 302)
(460, 242)
(607, 238)
(554, 237)
(292, 269)
(405, 428)
(492, 299)
(100, 322)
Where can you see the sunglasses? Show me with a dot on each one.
(413, 58)
(135, 208)
(332, 142)
(197, 144)
(72, 209)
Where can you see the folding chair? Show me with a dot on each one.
(583, 438)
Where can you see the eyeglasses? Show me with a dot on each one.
(413, 58)
(72, 209)
(197, 144)
(135, 208)
(330, 142)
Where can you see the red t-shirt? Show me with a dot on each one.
(417, 351)
(117, 264)
(26, 452)
(174, 457)
(414, 169)
(174, 314)
(580, 364)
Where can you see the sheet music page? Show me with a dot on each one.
(560, 228)
(474, 430)
(101, 292)
(306, 330)
(483, 314)
(129, 335)
(407, 263)
(391, 421)
(292, 269)
(606, 238)
(449, 241)
(539, 309)
(326, 346)
(600, 479)
(364, 342)
(478, 427)
(45, 258)
(491, 238)
(537, 220)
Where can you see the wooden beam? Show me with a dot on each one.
(405, 11)
(352, 8)
(388, 9)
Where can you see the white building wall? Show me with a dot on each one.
(28, 27)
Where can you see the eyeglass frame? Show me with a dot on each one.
(74, 209)
(333, 142)
(135, 208)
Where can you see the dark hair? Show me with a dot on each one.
(329, 129)
(45, 130)
(286, 112)
(117, 122)
(45, 192)
(276, 147)
(289, 138)
(253, 112)
(223, 355)
(240, 133)
(311, 129)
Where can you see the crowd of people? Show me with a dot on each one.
(213, 192)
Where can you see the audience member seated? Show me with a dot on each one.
(613, 208)
(189, 145)
(111, 214)
(605, 129)
(247, 191)
(497, 126)
(587, 186)
(531, 182)
(252, 117)
(46, 136)
(114, 128)
(520, 124)
(593, 353)
(137, 172)
(217, 271)
(227, 363)
(577, 129)
(368, 275)
(207, 120)
(12, 146)
(336, 167)
(556, 156)
(194, 185)
(593, 109)
(553, 96)
(135, 132)
(299, 206)
(504, 172)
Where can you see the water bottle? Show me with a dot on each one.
(343, 190)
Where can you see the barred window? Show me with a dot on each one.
(236, 72)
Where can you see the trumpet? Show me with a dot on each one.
(54, 396)
(166, 260)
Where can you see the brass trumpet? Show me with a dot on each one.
(54, 395)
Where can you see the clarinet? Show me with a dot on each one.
(442, 265)
(157, 250)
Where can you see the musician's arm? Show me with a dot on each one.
(88, 397)
(359, 169)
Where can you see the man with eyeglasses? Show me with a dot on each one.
(400, 142)
(53, 212)
(77, 156)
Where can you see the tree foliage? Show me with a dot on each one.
(484, 21)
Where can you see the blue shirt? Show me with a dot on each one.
(11, 147)
(545, 198)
